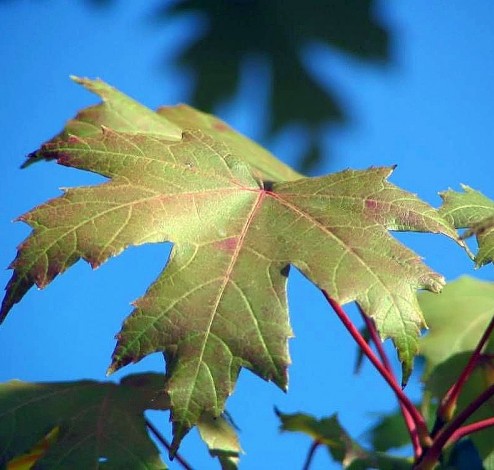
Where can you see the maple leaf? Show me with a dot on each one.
(219, 435)
(238, 218)
(472, 210)
(98, 423)
(99, 420)
(329, 432)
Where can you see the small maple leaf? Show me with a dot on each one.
(472, 210)
(238, 219)
(330, 433)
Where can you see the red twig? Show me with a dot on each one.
(166, 444)
(445, 435)
(470, 429)
(418, 419)
(409, 422)
(448, 403)
(310, 455)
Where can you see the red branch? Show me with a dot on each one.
(470, 429)
(448, 403)
(418, 419)
(447, 433)
(310, 455)
(409, 422)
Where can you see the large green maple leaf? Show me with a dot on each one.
(238, 218)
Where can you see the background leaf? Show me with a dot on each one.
(465, 456)
(329, 432)
(443, 377)
(389, 432)
(298, 83)
(457, 319)
(27, 460)
(279, 32)
(220, 437)
(101, 425)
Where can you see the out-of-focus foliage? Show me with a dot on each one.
(100, 425)
(457, 319)
(279, 31)
(341, 447)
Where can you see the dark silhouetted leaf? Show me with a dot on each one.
(101, 425)
(465, 456)
(27, 460)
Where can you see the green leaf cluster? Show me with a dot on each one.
(456, 319)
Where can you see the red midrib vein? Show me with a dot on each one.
(243, 233)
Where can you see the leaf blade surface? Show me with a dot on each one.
(472, 210)
(238, 220)
(98, 422)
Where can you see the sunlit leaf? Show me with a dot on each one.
(473, 211)
(238, 218)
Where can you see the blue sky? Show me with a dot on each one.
(430, 112)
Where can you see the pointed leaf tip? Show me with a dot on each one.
(120, 112)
